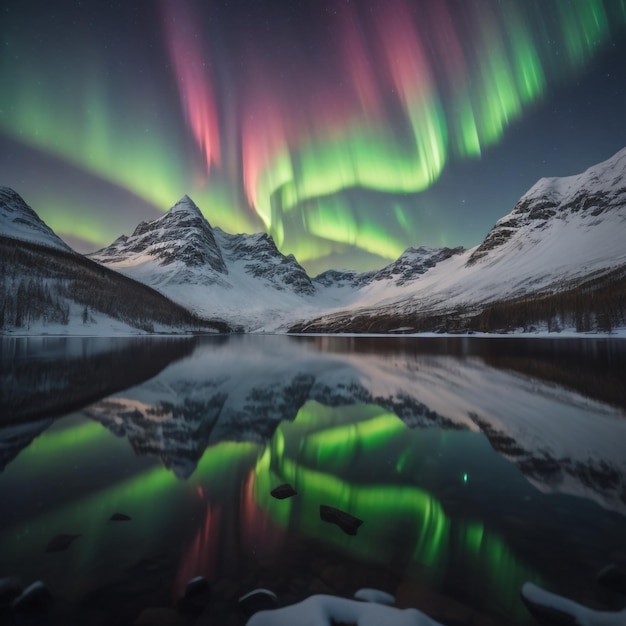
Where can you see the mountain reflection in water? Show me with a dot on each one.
(475, 464)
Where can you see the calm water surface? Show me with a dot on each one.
(475, 465)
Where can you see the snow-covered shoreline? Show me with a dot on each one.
(111, 331)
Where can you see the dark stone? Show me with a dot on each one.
(283, 491)
(34, 599)
(120, 517)
(197, 586)
(60, 543)
(348, 523)
(10, 588)
(258, 600)
(196, 596)
(613, 577)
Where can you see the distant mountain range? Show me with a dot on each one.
(557, 260)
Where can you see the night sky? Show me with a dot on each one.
(347, 129)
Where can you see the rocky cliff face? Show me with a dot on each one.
(261, 259)
(181, 248)
(182, 236)
(409, 266)
(413, 263)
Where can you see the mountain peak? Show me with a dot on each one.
(19, 221)
(607, 175)
(185, 204)
(600, 189)
(181, 235)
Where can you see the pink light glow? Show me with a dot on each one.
(200, 559)
(406, 59)
(192, 76)
(260, 536)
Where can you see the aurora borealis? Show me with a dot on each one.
(347, 129)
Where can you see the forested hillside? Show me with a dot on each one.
(44, 286)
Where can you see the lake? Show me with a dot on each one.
(474, 464)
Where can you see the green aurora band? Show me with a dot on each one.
(317, 454)
(444, 86)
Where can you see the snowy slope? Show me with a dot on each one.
(561, 231)
(19, 221)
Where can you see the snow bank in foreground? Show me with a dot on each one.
(323, 610)
(564, 611)
(320, 610)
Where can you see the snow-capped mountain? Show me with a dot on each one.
(572, 201)
(564, 232)
(561, 233)
(242, 277)
(564, 236)
(20, 222)
(180, 241)
(45, 287)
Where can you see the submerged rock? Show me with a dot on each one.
(283, 491)
(196, 596)
(196, 587)
(348, 523)
(34, 599)
(258, 600)
(120, 517)
(60, 542)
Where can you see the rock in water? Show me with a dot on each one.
(120, 517)
(34, 599)
(348, 523)
(258, 600)
(196, 586)
(283, 491)
(60, 542)
(196, 596)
